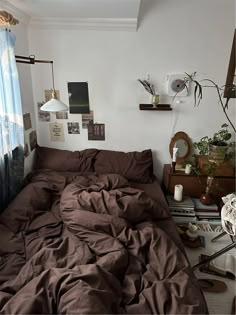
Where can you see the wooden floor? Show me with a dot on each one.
(218, 303)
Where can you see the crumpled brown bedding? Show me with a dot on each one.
(86, 244)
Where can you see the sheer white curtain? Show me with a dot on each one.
(11, 122)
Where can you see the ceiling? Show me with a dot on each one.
(75, 13)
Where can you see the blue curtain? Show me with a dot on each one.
(11, 122)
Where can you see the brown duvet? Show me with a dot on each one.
(86, 244)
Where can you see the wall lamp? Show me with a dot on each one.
(54, 105)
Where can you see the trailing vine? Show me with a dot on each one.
(198, 93)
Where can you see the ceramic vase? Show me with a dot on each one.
(206, 197)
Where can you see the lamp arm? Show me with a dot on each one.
(31, 60)
(54, 105)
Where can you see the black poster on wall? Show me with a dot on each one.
(78, 97)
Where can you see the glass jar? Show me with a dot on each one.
(155, 100)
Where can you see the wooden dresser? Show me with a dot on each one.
(194, 185)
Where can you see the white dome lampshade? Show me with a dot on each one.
(54, 105)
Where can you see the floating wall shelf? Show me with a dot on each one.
(158, 107)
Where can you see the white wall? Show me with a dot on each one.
(173, 37)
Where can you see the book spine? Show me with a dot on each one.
(184, 219)
(181, 208)
(206, 209)
(203, 221)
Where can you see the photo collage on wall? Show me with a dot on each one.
(57, 132)
(33, 140)
(87, 119)
(61, 115)
(42, 116)
(27, 121)
(96, 132)
(78, 97)
(73, 128)
(30, 136)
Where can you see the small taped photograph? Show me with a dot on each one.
(96, 132)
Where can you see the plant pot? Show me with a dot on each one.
(217, 153)
(155, 100)
(226, 168)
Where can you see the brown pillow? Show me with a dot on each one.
(65, 160)
(134, 166)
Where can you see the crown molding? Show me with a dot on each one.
(124, 24)
(19, 14)
(127, 24)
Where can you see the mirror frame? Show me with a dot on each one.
(180, 136)
(228, 91)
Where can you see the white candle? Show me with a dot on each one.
(188, 168)
(178, 193)
(175, 150)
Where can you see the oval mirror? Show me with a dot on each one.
(184, 145)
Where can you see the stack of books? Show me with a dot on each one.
(208, 213)
(182, 211)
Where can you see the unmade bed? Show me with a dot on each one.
(91, 233)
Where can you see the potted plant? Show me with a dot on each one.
(149, 87)
(216, 146)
